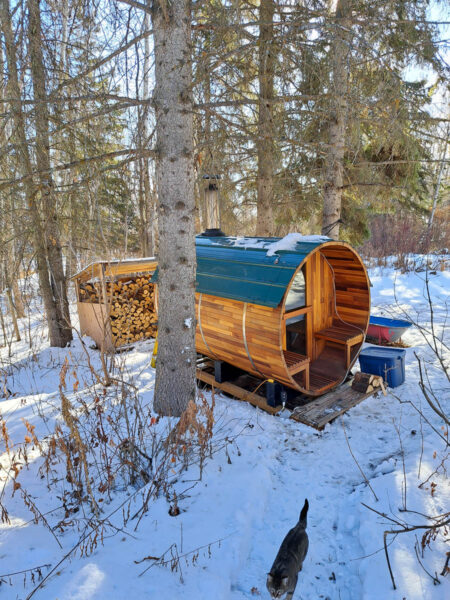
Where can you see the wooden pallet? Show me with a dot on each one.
(320, 411)
(237, 392)
(315, 412)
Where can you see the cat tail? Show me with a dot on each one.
(303, 514)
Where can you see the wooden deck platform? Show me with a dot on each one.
(320, 411)
(314, 412)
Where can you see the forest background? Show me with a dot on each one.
(319, 116)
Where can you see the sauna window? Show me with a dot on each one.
(296, 334)
(296, 297)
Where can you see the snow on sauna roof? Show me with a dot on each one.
(251, 269)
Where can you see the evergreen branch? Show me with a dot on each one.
(136, 154)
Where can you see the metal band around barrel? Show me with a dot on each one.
(244, 335)
(200, 324)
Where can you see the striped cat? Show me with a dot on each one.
(282, 577)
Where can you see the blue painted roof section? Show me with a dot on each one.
(239, 268)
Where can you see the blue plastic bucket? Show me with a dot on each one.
(387, 362)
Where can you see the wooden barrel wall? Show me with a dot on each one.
(352, 284)
(242, 334)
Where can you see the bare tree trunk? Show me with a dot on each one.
(67, 140)
(17, 296)
(15, 255)
(334, 162)
(30, 192)
(175, 367)
(145, 205)
(12, 311)
(149, 207)
(437, 187)
(49, 207)
(11, 274)
(11, 263)
(266, 133)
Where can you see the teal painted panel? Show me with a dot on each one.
(255, 292)
(239, 268)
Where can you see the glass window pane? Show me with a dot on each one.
(296, 297)
(296, 334)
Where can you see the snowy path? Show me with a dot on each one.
(331, 567)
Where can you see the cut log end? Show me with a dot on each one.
(366, 383)
(132, 307)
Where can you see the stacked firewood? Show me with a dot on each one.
(366, 383)
(132, 307)
(90, 292)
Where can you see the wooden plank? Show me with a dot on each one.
(325, 409)
(297, 312)
(222, 328)
(237, 392)
(320, 382)
(317, 317)
(309, 294)
(92, 319)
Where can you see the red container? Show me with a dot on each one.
(386, 330)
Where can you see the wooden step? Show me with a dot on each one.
(295, 362)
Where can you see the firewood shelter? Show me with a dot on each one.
(116, 302)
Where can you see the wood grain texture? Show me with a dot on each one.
(337, 290)
(93, 318)
(117, 268)
(321, 411)
(129, 302)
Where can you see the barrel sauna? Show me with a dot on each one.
(298, 316)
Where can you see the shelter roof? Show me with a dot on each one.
(117, 268)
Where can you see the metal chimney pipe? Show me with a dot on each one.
(211, 191)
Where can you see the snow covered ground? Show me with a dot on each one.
(232, 521)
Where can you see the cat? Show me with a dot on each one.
(282, 577)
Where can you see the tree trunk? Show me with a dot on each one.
(334, 162)
(11, 274)
(15, 255)
(30, 192)
(205, 164)
(144, 195)
(11, 262)
(17, 296)
(12, 311)
(49, 207)
(66, 141)
(266, 132)
(149, 206)
(437, 187)
(176, 361)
